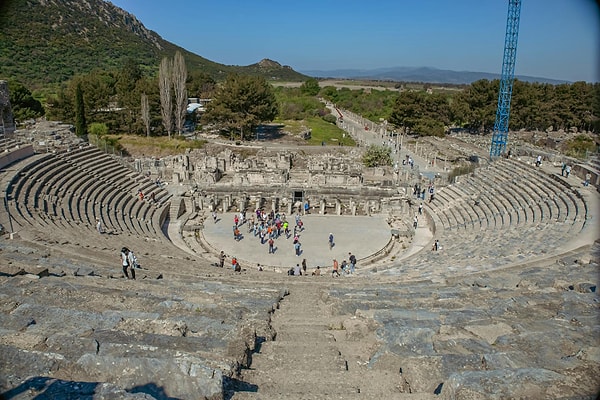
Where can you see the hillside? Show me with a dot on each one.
(45, 42)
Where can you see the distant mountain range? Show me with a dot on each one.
(419, 74)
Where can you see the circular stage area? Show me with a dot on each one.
(361, 235)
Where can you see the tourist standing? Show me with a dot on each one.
(330, 241)
(271, 246)
(352, 260)
(334, 271)
(126, 263)
(222, 259)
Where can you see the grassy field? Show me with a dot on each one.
(150, 146)
(322, 132)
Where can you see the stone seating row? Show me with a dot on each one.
(520, 319)
(494, 197)
(575, 209)
(74, 189)
(13, 185)
(195, 331)
(502, 214)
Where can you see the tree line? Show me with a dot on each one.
(128, 101)
(534, 106)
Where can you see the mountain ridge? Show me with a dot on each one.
(420, 74)
(47, 42)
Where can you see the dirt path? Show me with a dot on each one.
(316, 355)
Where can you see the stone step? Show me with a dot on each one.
(311, 384)
(323, 358)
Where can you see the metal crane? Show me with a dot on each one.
(500, 134)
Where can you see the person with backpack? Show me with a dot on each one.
(352, 259)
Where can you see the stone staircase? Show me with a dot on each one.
(515, 333)
(318, 354)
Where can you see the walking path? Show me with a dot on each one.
(355, 126)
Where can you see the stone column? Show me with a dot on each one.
(322, 207)
(367, 208)
(227, 203)
(338, 207)
(176, 178)
(289, 208)
(258, 202)
(274, 203)
(352, 207)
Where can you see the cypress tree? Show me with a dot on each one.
(80, 125)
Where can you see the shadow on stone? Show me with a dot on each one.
(232, 386)
(49, 388)
(155, 391)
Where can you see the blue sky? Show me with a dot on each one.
(558, 39)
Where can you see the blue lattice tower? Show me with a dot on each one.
(500, 135)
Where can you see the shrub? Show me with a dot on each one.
(377, 156)
(330, 118)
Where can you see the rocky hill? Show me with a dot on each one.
(45, 42)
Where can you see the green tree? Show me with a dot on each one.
(580, 146)
(24, 105)
(377, 156)
(310, 87)
(98, 129)
(421, 112)
(200, 84)
(241, 103)
(80, 126)
(481, 99)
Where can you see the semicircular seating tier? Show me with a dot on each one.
(66, 193)
(505, 213)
